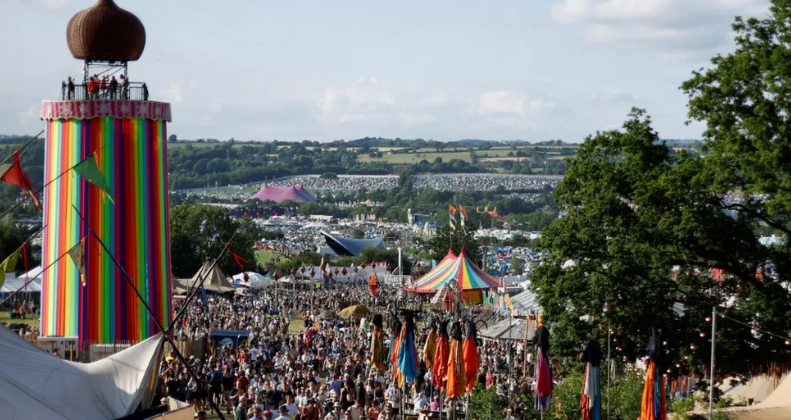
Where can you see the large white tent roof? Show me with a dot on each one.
(35, 385)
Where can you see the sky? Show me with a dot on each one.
(445, 70)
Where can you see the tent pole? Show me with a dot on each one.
(150, 313)
(711, 378)
(609, 371)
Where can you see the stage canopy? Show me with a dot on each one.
(35, 385)
(351, 247)
(296, 194)
(459, 269)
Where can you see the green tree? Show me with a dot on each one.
(458, 239)
(12, 237)
(640, 226)
(199, 232)
(744, 100)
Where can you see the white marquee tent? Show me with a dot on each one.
(35, 385)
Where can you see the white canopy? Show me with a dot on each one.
(12, 284)
(35, 385)
(252, 277)
(505, 329)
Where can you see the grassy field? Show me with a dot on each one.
(4, 317)
(262, 256)
(430, 154)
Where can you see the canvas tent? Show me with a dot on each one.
(12, 284)
(501, 330)
(296, 194)
(35, 385)
(458, 270)
(253, 279)
(214, 280)
(525, 302)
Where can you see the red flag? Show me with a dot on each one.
(239, 259)
(14, 175)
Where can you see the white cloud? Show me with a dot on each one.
(42, 4)
(666, 27)
(571, 11)
(175, 93)
(370, 91)
(440, 99)
(612, 95)
(32, 113)
(327, 101)
(352, 118)
(501, 102)
(539, 105)
(408, 118)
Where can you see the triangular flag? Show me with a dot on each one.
(9, 264)
(14, 175)
(77, 254)
(89, 170)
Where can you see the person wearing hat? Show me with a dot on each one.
(283, 413)
(336, 412)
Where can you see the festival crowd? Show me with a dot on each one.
(483, 182)
(300, 361)
(341, 183)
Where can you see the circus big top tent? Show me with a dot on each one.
(35, 385)
(296, 194)
(459, 270)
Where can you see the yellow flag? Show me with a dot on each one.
(77, 254)
(9, 264)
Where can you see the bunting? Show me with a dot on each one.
(77, 254)
(14, 175)
(9, 264)
(89, 170)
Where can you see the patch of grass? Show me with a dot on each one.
(6, 317)
(295, 327)
(262, 256)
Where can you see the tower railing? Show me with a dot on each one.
(134, 91)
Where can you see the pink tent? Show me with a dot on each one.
(297, 194)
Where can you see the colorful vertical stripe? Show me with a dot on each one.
(132, 154)
(458, 269)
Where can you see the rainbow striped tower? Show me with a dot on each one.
(127, 134)
(129, 139)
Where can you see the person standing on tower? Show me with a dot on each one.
(70, 88)
(113, 88)
(123, 87)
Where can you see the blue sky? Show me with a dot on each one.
(445, 70)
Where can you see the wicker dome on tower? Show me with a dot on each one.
(106, 32)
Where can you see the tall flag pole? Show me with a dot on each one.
(452, 216)
(464, 217)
